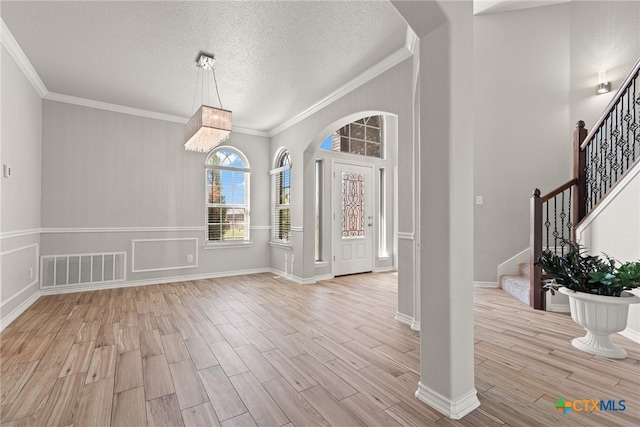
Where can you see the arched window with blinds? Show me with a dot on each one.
(227, 197)
(281, 184)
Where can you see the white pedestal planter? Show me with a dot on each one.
(600, 316)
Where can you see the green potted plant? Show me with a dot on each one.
(596, 289)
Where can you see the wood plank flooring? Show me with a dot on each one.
(261, 351)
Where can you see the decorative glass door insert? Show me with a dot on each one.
(352, 205)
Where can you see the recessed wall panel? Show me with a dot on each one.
(163, 254)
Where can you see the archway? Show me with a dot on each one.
(319, 208)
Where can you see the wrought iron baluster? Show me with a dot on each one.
(588, 175)
(615, 135)
(562, 218)
(555, 223)
(624, 146)
(601, 155)
(608, 155)
(569, 222)
(547, 224)
(636, 122)
(589, 172)
(594, 171)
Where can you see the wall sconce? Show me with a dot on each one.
(603, 85)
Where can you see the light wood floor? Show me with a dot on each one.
(257, 350)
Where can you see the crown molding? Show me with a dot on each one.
(390, 61)
(411, 40)
(14, 49)
(117, 108)
(248, 131)
(68, 99)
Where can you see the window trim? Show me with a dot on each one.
(247, 198)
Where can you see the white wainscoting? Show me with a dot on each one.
(19, 275)
(20, 268)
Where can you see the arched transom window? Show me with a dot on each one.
(227, 198)
(362, 137)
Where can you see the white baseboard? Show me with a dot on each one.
(559, 308)
(302, 281)
(403, 318)
(6, 320)
(454, 409)
(157, 281)
(631, 334)
(384, 269)
(324, 277)
(415, 325)
(293, 278)
(477, 284)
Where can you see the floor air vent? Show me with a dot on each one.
(82, 269)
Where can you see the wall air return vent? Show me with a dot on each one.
(82, 269)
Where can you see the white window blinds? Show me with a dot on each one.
(281, 184)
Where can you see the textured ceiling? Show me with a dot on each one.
(274, 58)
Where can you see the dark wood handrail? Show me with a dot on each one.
(625, 85)
(559, 190)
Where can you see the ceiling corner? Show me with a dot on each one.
(14, 49)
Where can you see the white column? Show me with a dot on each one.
(446, 211)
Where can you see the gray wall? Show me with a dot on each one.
(20, 200)
(605, 35)
(522, 131)
(535, 73)
(112, 178)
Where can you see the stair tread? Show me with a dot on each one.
(516, 286)
(517, 279)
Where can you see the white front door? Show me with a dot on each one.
(353, 222)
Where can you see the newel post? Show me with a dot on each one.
(536, 292)
(579, 173)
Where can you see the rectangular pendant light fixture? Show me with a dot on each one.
(207, 129)
(209, 126)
